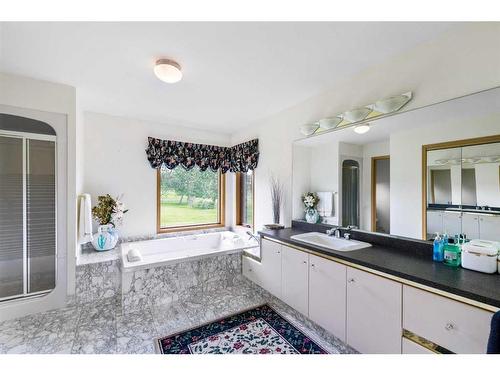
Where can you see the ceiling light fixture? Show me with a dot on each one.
(168, 71)
(362, 129)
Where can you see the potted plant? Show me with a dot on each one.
(310, 201)
(108, 213)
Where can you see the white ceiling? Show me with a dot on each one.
(234, 73)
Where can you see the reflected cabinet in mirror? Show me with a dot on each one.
(461, 187)
(411, 174)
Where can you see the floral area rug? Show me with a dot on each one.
(260, 330)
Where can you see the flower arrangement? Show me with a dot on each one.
(277, 193)
(310, 200)
(109, 210)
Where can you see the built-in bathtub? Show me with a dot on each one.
(168, 251)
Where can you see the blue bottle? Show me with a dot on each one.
(438, 249)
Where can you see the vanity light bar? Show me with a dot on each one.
(354, 116)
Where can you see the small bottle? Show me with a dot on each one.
(438, 248)
(453, 253)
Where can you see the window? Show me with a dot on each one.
(244, 199)
(189, 199)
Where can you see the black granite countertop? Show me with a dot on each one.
(411, 264)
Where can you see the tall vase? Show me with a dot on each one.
(312, 216)
(106, 238)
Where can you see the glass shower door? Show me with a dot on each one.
(40, 215)
(27, 214)
(12, 249)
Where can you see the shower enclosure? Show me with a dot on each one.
(350, 192)
(28, 251)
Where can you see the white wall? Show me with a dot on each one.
(115, 163)
(487, 184)
(460, 62)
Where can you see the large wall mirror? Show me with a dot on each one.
(414, 173)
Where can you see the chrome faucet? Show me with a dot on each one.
(251, 235)
(334, 232)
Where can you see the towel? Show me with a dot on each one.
(85, 220)
(134, 255)
(325, 205)
(494, 339)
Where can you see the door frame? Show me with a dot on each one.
(374, 190)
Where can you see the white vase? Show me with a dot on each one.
(105, 238)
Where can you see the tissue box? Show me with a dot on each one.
(480, 255)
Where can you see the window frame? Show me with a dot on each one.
(238, 197)
(178, 228)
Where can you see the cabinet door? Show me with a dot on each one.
(327, 294)
(489, 227)
(470, 225)
(434, 222)
(295, 269)
(409, 347)
(373, 313)
(270, 274)
(452, 223)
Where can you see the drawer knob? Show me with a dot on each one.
(449, 326)
(312, 265)
(305, 262)
(351, 280)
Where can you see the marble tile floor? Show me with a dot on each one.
(103, 327)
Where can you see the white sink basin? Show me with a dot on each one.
(330, 242)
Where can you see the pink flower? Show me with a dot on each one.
(213, 338)
(264, 351)
(237, 345)
(278, 350)
(194, 338)
(266, 332)
(243, 327)
(226, 337)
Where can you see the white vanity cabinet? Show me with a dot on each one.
(434, 221)
(295, 279)
(489, 227)
(373, 313)
(452, 222)
(483, 226)
(267, 272)
(327, 295)
(456, 326)
(470, 225)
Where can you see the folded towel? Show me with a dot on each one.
(85, 219)
(134, 255)
(494, 339)
(325, 205)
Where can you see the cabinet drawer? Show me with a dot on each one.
(453, 325)
(410, 347)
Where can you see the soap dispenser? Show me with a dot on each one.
(438, 248)
(452, 253)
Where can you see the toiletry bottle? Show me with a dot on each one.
(438, 248)
(453, 253)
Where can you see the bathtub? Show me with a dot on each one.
(160, 252)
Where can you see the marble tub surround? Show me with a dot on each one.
(98, 281)
(105, 327)
(181, 281)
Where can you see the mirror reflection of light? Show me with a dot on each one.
(362, 129)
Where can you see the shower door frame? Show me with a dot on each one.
(25, 137)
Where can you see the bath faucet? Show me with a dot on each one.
(251, 235)
(334, 232)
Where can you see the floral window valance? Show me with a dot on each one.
(239, 158)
